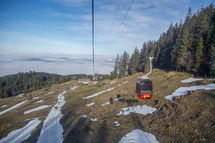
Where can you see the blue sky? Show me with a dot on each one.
(51, 27)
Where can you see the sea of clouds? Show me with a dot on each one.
(63, 64)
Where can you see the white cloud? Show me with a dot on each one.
(41, 43)
(72, 2)
(54, 63)
(66, 28)
(145, 21)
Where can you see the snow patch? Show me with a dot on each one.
(211, 79)
(19, 135)
(183, 90)
(74, 87)
(189, 80)
(94, 119)
(40, 101)
(107, 103)
(3, 106)
(125, 82)
(144, 110)
(49, 92)
(96, 94)
(120, 98)
(36, 109)
(13, 107)
(84, 116)
(36, 97)
(52, 129)
(85, 82)
(90, 104)
(112, 82)
(117, 124)
(138, 136)
(20, 95)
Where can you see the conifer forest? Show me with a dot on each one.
(188, 45)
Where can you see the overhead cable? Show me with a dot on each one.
(112, 23)
(93, 32)
(120, 25)
(181, 42)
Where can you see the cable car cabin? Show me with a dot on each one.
(144, 88)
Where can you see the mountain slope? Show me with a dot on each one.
(167, 123)
(88, 115)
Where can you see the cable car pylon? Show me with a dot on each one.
(150, 62)
(93, 39)
(144, 87)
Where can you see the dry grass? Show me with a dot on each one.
(79, 129)
(185, 119)
(16, 118)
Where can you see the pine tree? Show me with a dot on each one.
(111, 75)
(119, 65)
(133, 63)
(185, 46)
(143, 52)
(182, 49)
(212, 57)
(190, 53)
(116, 67)
(124, 65)
(198, 55)
(174, 52)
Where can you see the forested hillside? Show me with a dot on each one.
(186, 46)
(16, 84)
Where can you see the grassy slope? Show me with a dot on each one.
(185, 119)
(16, 119)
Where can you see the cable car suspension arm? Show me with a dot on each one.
(146, 76)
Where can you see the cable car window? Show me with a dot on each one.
(146, 87)
(137, 87)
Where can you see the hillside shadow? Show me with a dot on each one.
(135, 118)
(210, 95)
(103, 133)
(79, 133)
(136, 121)
(130, 102)
(83, 133)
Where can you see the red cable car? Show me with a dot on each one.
(144, 88)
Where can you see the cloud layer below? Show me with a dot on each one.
(59, 64)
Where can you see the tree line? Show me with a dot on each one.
(186, 46)
(16, 84)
